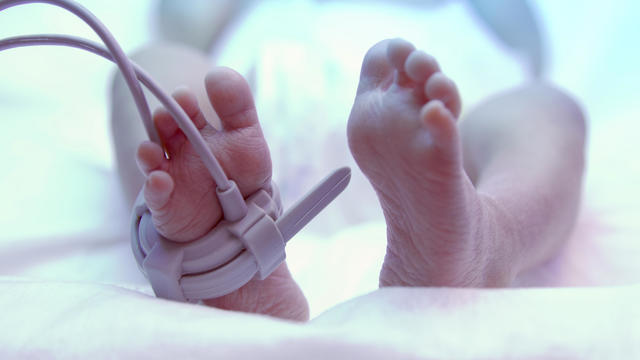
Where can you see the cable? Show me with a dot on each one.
(87, 45)
(118, 54)
(231, 200)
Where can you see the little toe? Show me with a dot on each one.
(150, 157)
(157, 190)
(231, 97)
(419, 66)
(440, 87)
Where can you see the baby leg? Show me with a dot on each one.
(524, 151)
(463, 216)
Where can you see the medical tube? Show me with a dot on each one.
(231, 200)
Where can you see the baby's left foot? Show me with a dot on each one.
(181, 193)
(403, 135)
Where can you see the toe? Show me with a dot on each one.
(170, 134)
(440, 87)
(150, 157)
(419, 66)
(157, 190)
(166, 126)
(441, 124)
(245, 157)
(189, 103)
(231, 97)
(398, 51)
(375, 67)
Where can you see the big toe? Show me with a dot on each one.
(242, 149)
(376, 67)
(230, 96)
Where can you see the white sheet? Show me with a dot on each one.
(64, 254)
(71, 320)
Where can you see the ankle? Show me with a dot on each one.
(498, 243)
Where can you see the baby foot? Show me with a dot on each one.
(403, 135)
(181, 193)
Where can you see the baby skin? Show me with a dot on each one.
(181, 194)
(470, 204)
(473, 203)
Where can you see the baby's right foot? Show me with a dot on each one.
(181, 193)
(403, 135)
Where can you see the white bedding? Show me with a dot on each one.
(70, 288)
